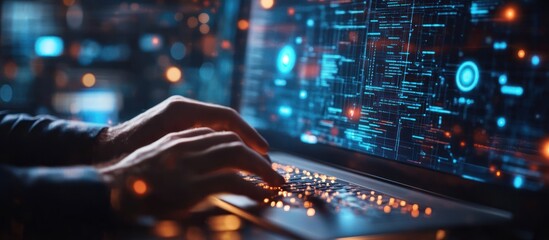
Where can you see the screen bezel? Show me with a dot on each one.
(525, 205)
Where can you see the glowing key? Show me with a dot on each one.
(311, 212)
(428, 211)
(386, 209)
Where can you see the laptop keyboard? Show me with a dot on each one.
(319, 193)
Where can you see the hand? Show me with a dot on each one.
(173, 115)
(181, 168)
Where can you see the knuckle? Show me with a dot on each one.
(205, 129)
(176, 98)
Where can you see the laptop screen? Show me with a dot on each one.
(458, 87)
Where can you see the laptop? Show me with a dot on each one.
(390, 116)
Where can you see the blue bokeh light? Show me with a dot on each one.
(286, 59)
(518, 181)
(501, 122)
(178, 51)
(502, 79)
(535, 60)
(6, 93)
(49, 46)
(285, 111)
(467, 76)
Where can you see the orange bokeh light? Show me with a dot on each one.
(521, 53)
(225, 44)
(243, 24)
(139, 187)
(173, 74)
(545, 149)
(88, 80)
(510, 13)
(498, 173)
(266, 4)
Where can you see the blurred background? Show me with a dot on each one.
(104, 61)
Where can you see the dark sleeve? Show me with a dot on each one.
(44, 195)
(45, 141)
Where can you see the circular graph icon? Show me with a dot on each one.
(467, 76)
(286, 59)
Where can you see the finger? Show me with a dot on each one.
(235, 156)
(227, 119)
(228, 183)
(199, 143)
(192, 132)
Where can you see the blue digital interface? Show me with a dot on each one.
(460, 87)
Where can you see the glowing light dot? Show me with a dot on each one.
(441, 234)
(402, 203)
(502, 79)
(501, 122)
(311, 212)
(266, 200)
(467, 76)
(287, 208)
(518, 181)
(498, 173)
(428, 211)
(510, 13)
(279, 204)
(243, 24)
(521, 53)
(88, 80)
(267, 4)
(173, 74)
(386, 209)
(167, 229)
(415, 207)
(204, 18)
(535, 60)
(139, 187)
(415, 213)
(204, 28)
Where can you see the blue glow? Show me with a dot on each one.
(286, 59)
(49, 46)
(302, 94)
(500, 45)
(502, 79)
(280, 82)
(467, 76)
(518, 181)
(298, 40)
(310, 22)
(89, 51)
(501, 122)
(309, 138)
(6, 93)
(285, 111)
(535, 60)
(178, 51)
(512, 90)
